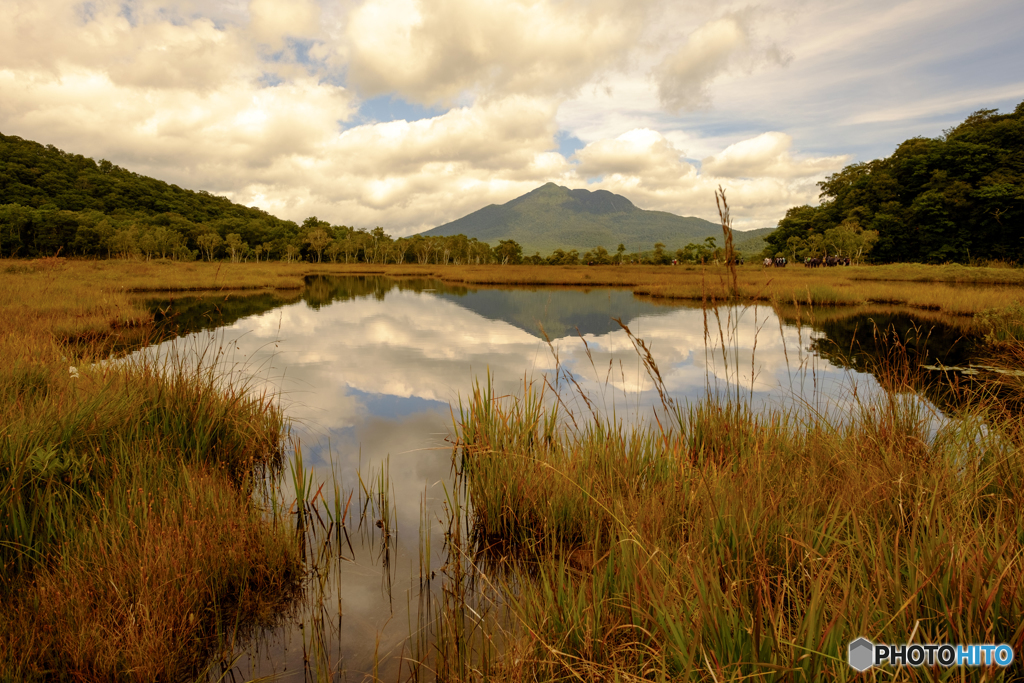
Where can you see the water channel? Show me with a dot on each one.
(368, 370)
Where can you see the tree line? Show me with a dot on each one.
(955, 198)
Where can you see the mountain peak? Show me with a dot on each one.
(555, 217)
(576, 201)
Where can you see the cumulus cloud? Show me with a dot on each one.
(418, 173)
(767, 155)
(424, 173)
(639, 152)
(134, 49)
(241, 124)
(434, 51)
(273, 20)
(726, 43)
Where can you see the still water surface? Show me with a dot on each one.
(368, 370)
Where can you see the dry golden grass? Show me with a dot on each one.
(130, 540)
(48, 301)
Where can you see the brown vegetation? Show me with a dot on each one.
(132, 545)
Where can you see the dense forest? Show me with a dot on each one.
(53, 201)
(958, 197)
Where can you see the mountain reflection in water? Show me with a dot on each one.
(368, 367)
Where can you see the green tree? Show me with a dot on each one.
(237, 249)
(209, 244)
(795, 244)
(123, 243)
(660, 255)
(597, 256)
(508, 252)
(317, 240)
(953, 198)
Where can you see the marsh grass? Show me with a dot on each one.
(719, 543)
(1003, 325)
(135, 543)
(130, 538)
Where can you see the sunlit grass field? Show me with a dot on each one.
(52, 288)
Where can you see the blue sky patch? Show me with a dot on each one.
(384, 109)
(568, 143)
(127, 13)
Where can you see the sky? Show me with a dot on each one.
(408, 114)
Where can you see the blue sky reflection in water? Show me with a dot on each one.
(370, 378)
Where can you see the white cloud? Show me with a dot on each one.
(236, 127)
(434, 51)
(54, 37)
(760, 176)
(714, 48)
(641, 152)
(420, 173)
(767, 155)
(273, 20)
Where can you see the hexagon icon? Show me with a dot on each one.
(861, 654)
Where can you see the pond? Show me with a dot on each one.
(371, 370)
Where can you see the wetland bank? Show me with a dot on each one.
(805, 482)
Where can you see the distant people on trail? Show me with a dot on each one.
(828, 261)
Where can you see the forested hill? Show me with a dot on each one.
(959, 197)
(555, 217)
(51, 199)
(36, 176)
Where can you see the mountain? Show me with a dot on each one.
(555, 217)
